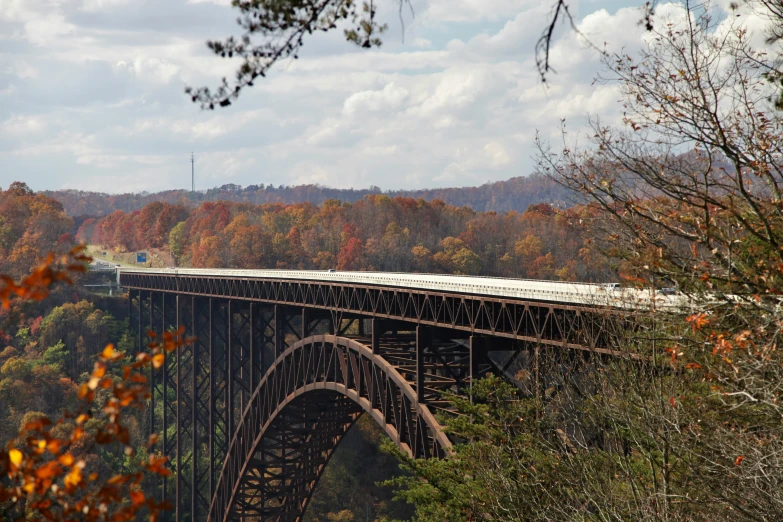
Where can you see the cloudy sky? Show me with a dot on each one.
(91, 96)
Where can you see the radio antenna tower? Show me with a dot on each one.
(192, 173)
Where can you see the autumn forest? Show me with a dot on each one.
(376, 233)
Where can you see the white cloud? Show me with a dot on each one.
(439, 11)
(456, 89)
(102, 5)
(497, 155)
(91, 96)
(22, 126)
(17, 10)
(150, 69)
(47, 30)
(328, 133)
(387, 99)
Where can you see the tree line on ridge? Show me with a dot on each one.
(376, 233)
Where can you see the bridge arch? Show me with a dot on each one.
(298, 414)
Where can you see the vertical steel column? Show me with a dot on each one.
(267, 337)
(253, 349)
(152, 369)
(263, 340)
(230, 384)
(216, 426)
(279, 329)
(243, 364)
(423, 340)
(177, 488)
(143, 322)
(194, 420)
(164, 391)
(227, 377)
(363, 327)
(239, 363)
(475, 345)
(185, 404)
(157, 319)
(212, 384)
(376, 335)
(306, 313)
(140, 346)
(537, 373)
(131, 293)
(169, 402)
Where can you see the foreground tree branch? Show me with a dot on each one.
(43, 471)
(282, 27)
(275, 30)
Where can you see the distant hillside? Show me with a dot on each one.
(514, 194)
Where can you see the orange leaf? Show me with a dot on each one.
(73, 478)
(16, 457)
(66, 459)
(697, 320)
(49, 470)
(110, 354)
(54, 446)
(137, 497)
(739, 460)
(99, 371)
(118, 479)
(157, 360)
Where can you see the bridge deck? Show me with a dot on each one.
(523, 289)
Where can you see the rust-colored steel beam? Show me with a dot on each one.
(549, 323)
(329, 380)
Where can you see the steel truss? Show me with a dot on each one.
(298, 443)
(252, 411)
(270, 474)
(198, 396)
(547, 323)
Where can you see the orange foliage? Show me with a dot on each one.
(374, 233)
(51, 270)
(46, 480)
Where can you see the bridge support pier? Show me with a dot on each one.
(203, 388)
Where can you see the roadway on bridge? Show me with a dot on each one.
(523, 289)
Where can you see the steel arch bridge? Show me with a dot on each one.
(286, 361)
